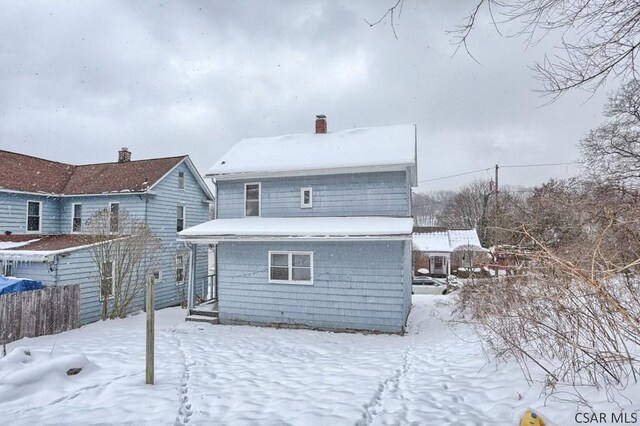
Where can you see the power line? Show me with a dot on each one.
(456, 175)
(539, 165)
(489, 168)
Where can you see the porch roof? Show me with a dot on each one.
(309, 228)
(445, 241)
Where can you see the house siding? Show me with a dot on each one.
(157, 208)
(13, 214)
(161, 217)
(354, 194)
(356, 285)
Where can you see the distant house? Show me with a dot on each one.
(45, 205)
(314, 229)
(441, 251)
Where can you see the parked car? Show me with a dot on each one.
(428, 285)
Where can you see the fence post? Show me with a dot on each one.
(150, 329)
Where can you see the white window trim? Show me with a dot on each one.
(302, 204)
(244, 204)
(40, 212)
(73, 212)
(290, 264)
(184, 216)
(159, 271)
(113, 289)
(182, 180)
(184, 270)
(111, 204)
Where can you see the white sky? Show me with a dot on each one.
(79, 80)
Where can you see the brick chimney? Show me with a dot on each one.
(321, 124)
(124, 156)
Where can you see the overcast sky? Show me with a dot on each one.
(79, 80)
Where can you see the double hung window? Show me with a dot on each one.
(290, 267)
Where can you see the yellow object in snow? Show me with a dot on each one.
(530, 418)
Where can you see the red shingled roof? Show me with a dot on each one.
(31, 174)
(21, 172)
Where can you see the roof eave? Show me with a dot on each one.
(212, 239)
(310, 172)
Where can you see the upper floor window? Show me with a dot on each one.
(290, 267)
(114, 209)
(180, 180)
(306, 198)
(180, 218)
(76, 219)
(106, 280)
(34, 216)
(252, 199)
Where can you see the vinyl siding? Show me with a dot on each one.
(361, 194)
(161, 217)
(356, 285)
(159, 210)
(13, 214)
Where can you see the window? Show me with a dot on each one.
(179, 269)
(180, 180)
(34, 209)
(157, 275)
(76, 221)
(179, 218)
(114, 208)
(306, 198)
(7, 268)
(252, 199)
(106, 280)
(290, 267)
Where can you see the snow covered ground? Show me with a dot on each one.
(240, 375)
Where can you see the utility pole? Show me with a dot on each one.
(495, 219)
(495, 222)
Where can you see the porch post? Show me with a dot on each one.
(192, 276)
(448, 265)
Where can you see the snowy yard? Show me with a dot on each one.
(249, 375)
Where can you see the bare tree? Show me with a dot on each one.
(600, 38)
(125, 252)
(575, 312)
(469, 208)
(611, 153)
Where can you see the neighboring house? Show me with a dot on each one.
(45, 205)
(441, 250)
(314, 230)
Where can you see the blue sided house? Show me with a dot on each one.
(314, 230)
(45, 206)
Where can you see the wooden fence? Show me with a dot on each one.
(39, 312)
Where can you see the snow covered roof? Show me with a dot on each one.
(38, 248)
(445, 241)
(300, 228)
(391, 147)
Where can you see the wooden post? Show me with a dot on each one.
(150, 329)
